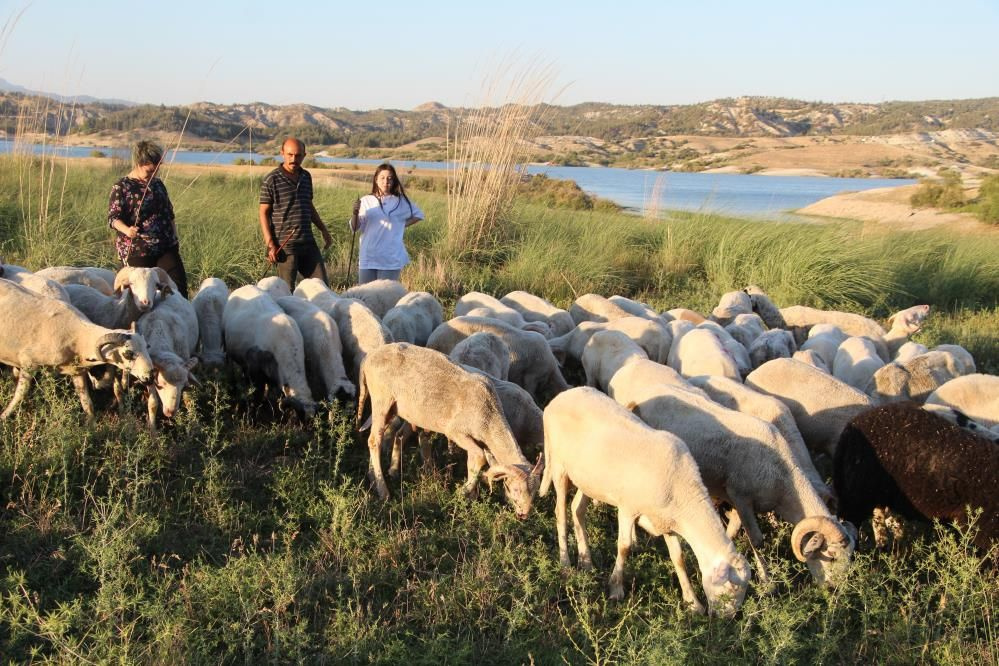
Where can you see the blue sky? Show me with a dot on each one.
(389, 54)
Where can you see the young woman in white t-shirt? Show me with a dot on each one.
(382, 217)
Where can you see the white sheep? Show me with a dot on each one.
(414, 318)
(700, 352)
(106, 311)
(275, 286)
(611, 456)
(909, 351)
(379, 295)
(652, 336)
(532, 364)
(484, 351)
(685, 314)
(856, 361)
(268, 344)
(535, 308)
(821, 404)
(824, 340)
(317, 292)
(747, 463)
(775, 343)
(772, 316)
(171, 333)
(800, 316)
(46, 332)
(812, 358)
(735, 349)
(101, 279)
(741, 398)
(746, 327)
(594, 307)
(976, 395)
(730, 305)
(903, 324)
(508, 316)
(148, 285)
(425, 389)
(361, 332)
(605, 353)
(323, 351)
(918, 377)
(209, 304)
(34, 283)
(638, 309)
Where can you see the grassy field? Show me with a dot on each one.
(237, 536)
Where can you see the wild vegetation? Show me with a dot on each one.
(237, 535)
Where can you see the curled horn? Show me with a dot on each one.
(500, 472)
(812, 533)
(534, 478)
(164, 281)
(112, 338)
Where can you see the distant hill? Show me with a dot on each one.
(583, 133)
(7, 86)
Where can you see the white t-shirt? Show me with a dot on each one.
(381, 227)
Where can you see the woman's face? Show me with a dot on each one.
(148, 170)
(384, 181)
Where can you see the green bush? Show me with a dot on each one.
(946, 193)
(988, 200)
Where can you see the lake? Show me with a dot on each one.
(770, 197)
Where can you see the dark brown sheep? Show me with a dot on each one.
(918, 464)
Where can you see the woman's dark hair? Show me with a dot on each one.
(146, 152)
(396, 188)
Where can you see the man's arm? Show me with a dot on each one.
(265, 229)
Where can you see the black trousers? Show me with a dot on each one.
(169, 261)
(305, 261)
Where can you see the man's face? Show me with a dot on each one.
(292, 152)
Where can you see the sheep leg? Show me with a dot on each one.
(744, 508)
(561, 490)
(399, 437)
(379, 422)
(675, 549)
(153, 407)
(734, 523)
(476, 461)
(426, 452)
(23, 383)
(624, 543)
(579, 505)
(82, 385)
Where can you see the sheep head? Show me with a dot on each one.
(126, 350)
(520, 483)
(910, 320)
(144, 282)
(825, 545)
(725, 581)
(172, 375)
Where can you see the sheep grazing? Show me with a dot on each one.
(772, 316)
(684, 314)
(315, 291)
(275, 286)
(730, 305)
(919, 465)
(268, 344)
(975, 395)
(593, 307)
(734, 348)
(361, 332)
(323, 352)
(803, 317)
(745, 328)
(106, 311)
(535, 308)
(414, 318)
(909, 351)
(746, 462)
(824, 340)
(821, 404)
(775, 343)
(477, 304)
(606, 353)
(428, 391)
(700, 352)
(379, 295)
(638, 309)
(34, 283)
(916, 378)
(856, 362)
(209, 304)
(100, 279)
(43, 331)
(532, 364)
(147, 285)
(812, 358)
(610, 456)
(483, 351)
(652, 336)
(171, 333)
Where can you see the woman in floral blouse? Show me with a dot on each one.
(141, 212)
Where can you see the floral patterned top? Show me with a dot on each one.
(148, 205)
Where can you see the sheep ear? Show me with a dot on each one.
(132, 327)
(815, 544)
(192, 379)
(121, 280)
(191, 362)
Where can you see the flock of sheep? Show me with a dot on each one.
(680, 413)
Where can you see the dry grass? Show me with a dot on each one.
(487, 148)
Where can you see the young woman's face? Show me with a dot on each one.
(384, 181)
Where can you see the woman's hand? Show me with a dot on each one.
(357, 206)
(131, 232)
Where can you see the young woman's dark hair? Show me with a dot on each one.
(396, 188)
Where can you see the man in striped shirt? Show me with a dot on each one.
(287, 215)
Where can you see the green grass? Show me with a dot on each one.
(233, 538)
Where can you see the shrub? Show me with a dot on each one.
(988, 200)
(947, 193)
